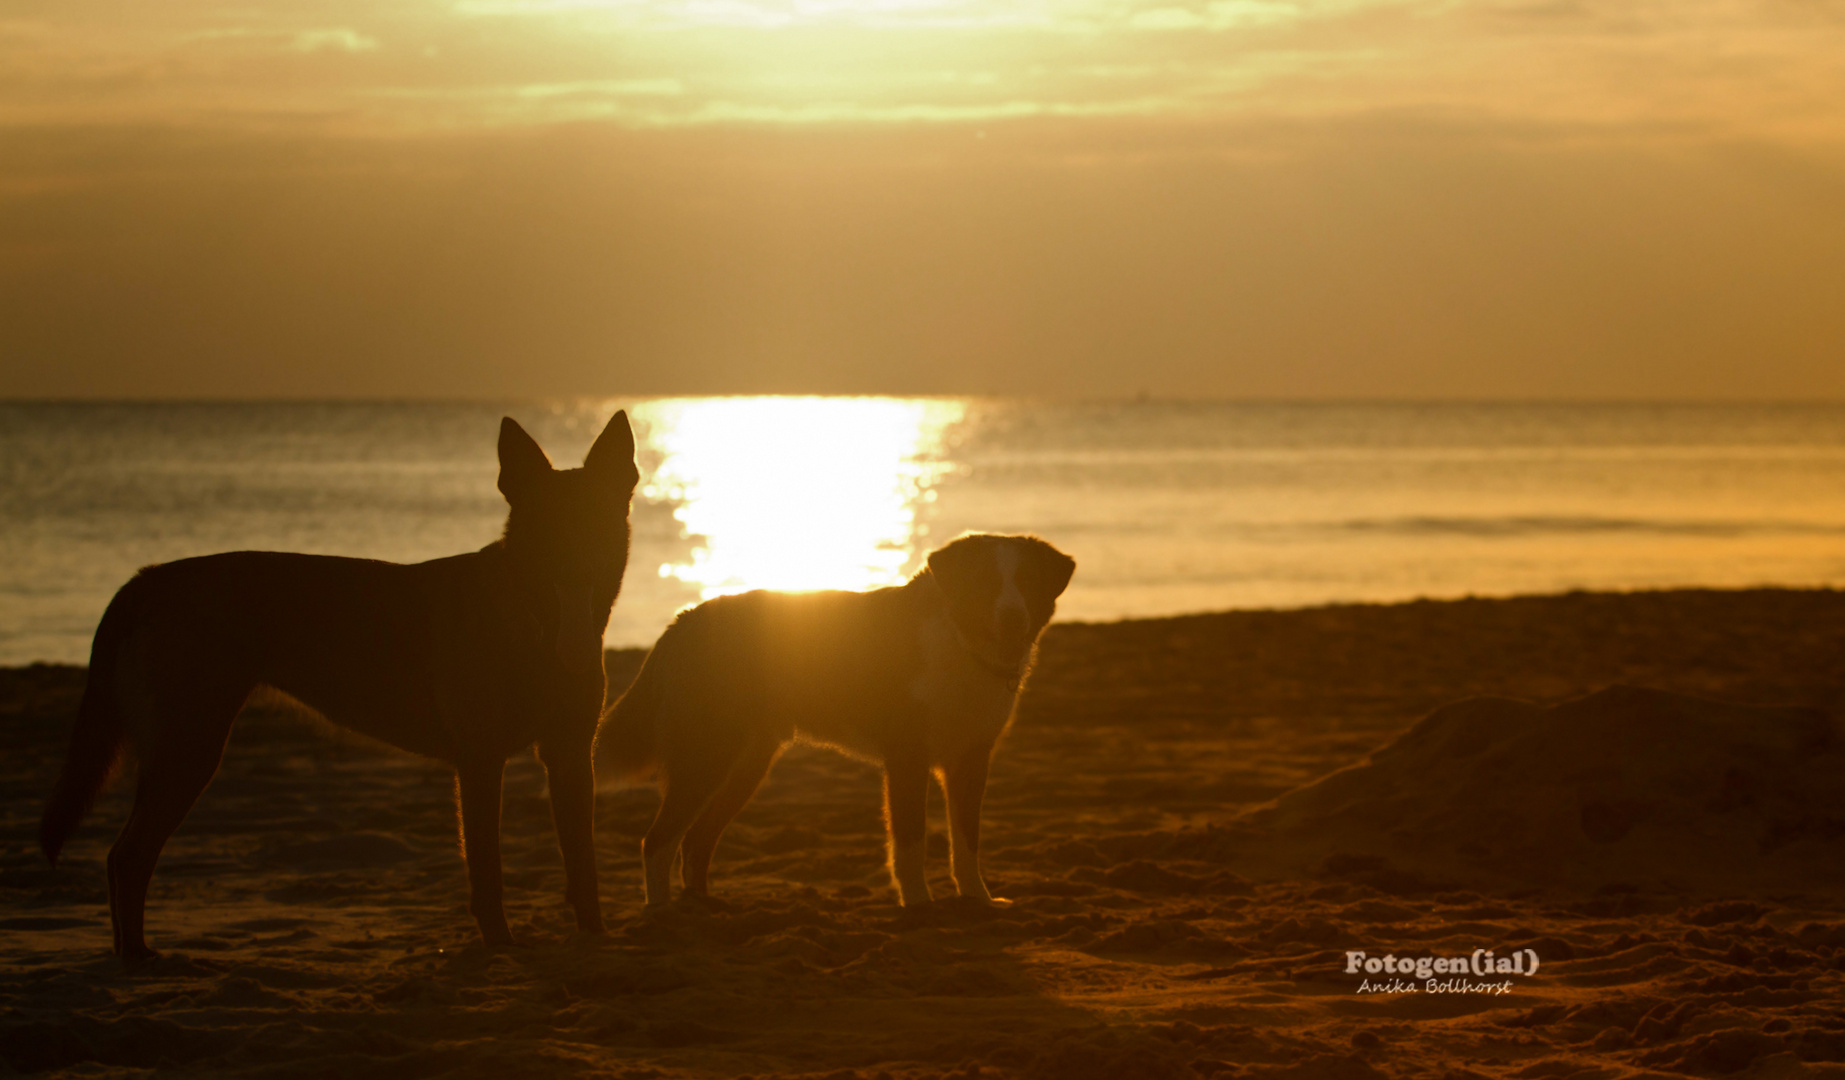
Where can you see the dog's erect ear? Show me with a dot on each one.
(1056, 567)
(612, 457)
(521, 460)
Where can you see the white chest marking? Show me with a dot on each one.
(964, 702)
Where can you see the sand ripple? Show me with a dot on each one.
(1162, 924)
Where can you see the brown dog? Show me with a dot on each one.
(920, 678)
(467, 659)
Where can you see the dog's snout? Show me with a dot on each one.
(1010, 623)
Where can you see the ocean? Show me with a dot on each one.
(1168, 507)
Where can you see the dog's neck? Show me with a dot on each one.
(542, 596)
(1013, 675)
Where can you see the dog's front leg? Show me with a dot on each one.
(478, 785)
(964, 783)
(906, 797)
(573, 812)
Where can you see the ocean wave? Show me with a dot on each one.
(1557, 524)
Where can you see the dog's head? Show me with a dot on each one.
(569, 528)
(1001, 591)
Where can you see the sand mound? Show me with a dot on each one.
(1624, 788)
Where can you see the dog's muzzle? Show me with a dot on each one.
(1011, 626)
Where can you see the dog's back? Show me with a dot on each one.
(347, 636)
(834, 666)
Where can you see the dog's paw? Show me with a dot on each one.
(500, 939)
(700, 902)
(140, 959)
(587, 940)
(948, 911)
(173, 965)
(663, 924)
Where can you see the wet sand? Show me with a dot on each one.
(1183, 895)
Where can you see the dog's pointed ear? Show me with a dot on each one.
(612, 456)
(521, 459)
(1057, 568)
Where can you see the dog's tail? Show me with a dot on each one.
(626, 736)
(97, 739)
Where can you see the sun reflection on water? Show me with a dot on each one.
(796, 492)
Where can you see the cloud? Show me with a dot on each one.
(1212, 196)
(338, 39)
(603, 88)
(1166, 18)
(1705, 69)
(1392, 256)
(1219, 16)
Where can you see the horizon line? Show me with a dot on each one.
(1141, 398)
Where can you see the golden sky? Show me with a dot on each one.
(1361, 198)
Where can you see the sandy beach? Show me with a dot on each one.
(1196, 820)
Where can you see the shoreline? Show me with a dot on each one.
(1132, 621)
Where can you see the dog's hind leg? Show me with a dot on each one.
(964, 785)
(477, 786)
(689, 788)
(176, 762)
(573, 812)
(738, 788)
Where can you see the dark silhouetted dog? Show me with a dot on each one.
(920, 678)
(466, 659)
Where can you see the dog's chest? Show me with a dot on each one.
(963, 703)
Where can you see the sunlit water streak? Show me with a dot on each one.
(1168, 507)
(795, 492)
